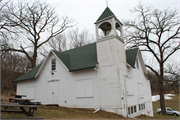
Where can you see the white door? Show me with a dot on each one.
(53, 93)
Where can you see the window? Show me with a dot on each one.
(144, 106)
(104, 29)
(169, 109)
(118, 29)
(84, 88)
(129, 112)
(53, 63)
(134, 108)
(131, 109)
(141, 106)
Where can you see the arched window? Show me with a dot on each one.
(118, 29)
(104, 29)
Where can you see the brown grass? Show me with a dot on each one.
(75, 113)
(56, 112)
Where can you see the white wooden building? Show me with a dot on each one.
(101, 75)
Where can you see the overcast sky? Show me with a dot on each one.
(86, 12)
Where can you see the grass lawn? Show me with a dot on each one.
(172, 103)
(56, 112)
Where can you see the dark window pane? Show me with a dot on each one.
(53, 67)
(53, 61)
(131, 109)
(139, 107)
(134, 108)
(144, 105)
(53, 64)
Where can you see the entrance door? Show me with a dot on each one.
(53, 93)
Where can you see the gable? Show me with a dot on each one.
(131, 56)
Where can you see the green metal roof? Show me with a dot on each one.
(131, 56)
(80, 58)
(29, 75)
(107, 13)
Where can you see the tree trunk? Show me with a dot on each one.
(161, 93)
(161, 90)
(33, 63)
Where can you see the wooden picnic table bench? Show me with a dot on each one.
(22, 107)
(19, 100)
(21, 117)
(20, 96)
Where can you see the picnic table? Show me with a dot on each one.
(20, 96)
(22, 108)
(17, 100)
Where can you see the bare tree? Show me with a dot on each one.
(35, 24)
(12, 66)
(156, 32)
(72, 39)
(2, 10)
(172, 77)
(58, 43)
(78, 39)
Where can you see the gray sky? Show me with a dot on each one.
(86, 12)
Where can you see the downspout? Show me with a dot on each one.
(97, 77)
(125, 87)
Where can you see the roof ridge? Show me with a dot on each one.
(73, 48)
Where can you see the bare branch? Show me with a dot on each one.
(30, 21)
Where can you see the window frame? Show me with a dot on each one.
(84, 88)
(53, 64)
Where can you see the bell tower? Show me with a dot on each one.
(112, 62)
(108, 26)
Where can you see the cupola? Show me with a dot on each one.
(107, 26)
